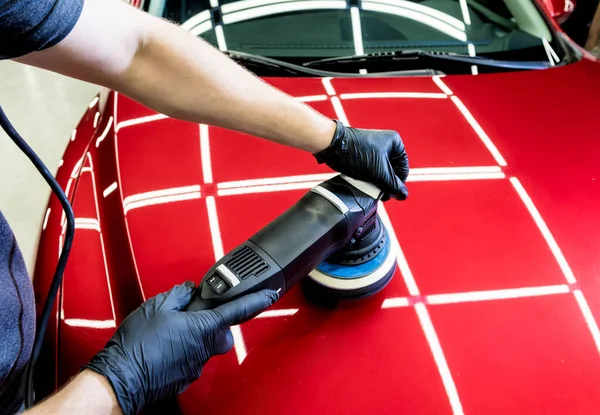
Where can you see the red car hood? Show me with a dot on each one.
(491, 309)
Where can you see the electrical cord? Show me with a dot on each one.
(64, 255)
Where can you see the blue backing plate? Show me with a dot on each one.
(356, 271)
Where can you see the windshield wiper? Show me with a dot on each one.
(405, 55)
(269, 63)
(276, 65)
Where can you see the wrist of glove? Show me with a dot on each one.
(159, 350)
(374, 156)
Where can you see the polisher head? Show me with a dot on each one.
(362, 269)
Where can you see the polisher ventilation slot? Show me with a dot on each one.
(246, 262)
(368, 230)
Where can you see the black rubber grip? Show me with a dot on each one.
(198, 304)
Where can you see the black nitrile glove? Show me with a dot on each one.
(159, 350)
(374, 156)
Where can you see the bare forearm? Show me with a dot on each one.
(88, 393)
(180, 75)
(187, 78)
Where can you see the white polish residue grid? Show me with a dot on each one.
(419, 302)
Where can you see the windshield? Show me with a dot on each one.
(301, 31)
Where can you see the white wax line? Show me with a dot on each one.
(93, 103)
(278, 313)
(217, 241)
(504, 294)
(86, 220)
(474, 70)
(92, 324)
(328, 87)
(471, 49)
(205, 154)
(163, 192)
(60, 163)
(196, 20)
(442, 85)
(477, 128)
(311, 98)
(588, 316)
(407, 275)
(455, 170)
(541, 224)
(276, 180)
(549, 55)
(550, 50)
(395, 302)
(375, 95)
(87, 226)
(440, 359)
(238, 341)
(249, 4)
(115, 99)
(339, 111)
(220, 38)
(256, 12)
(453, 177)
(120, 186)
(104, 133)
(161, 200)
(553, 53)
(63, 217)
(201, 28)
(478, 296)
(85, 170)
(109, 189)
(424, 11)
(267, 188)
(87, 223)
(108, 286)
(426, 17)
(140, 120)
(73, 135)
(96, 118)
(436, 173)
(46, 219)
(356, 31)
(215, 229)
(465, 12)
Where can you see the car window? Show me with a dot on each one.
(303, 30)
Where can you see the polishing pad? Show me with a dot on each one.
(367, 276)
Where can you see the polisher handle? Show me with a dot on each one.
(287, 249)
(365, 187)
(198, 304)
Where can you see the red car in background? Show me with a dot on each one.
(494, 305)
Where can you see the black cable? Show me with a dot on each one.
(62, 261)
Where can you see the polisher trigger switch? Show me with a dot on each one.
(217, 284)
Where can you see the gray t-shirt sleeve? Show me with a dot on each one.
(17, 321)
(31, 25)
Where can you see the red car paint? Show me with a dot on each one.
(559, 9)
(484, 314)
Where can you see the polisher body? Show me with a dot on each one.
(327, 220)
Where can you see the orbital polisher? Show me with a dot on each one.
(332, 238)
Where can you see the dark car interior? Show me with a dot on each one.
(493, 33)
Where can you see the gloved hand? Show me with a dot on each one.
(374, 156)
(159, 350)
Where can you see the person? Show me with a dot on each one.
(158, 350)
